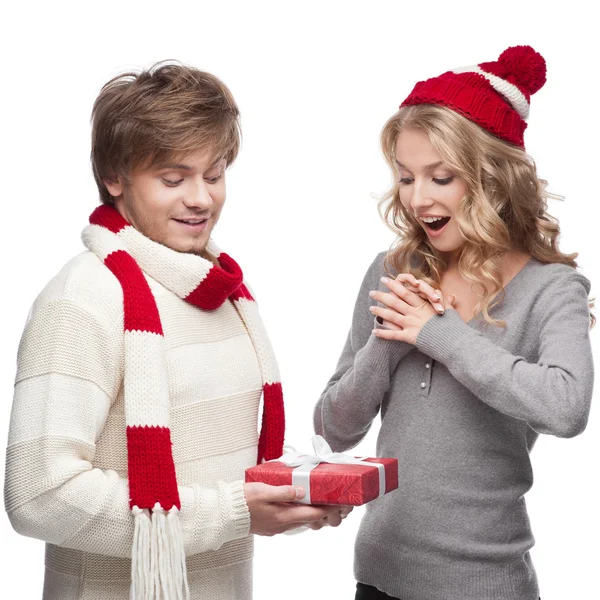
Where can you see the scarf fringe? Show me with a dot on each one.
(158, 569)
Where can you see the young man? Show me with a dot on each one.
(141, 369)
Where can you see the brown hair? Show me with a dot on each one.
(164, 113)
(505, 206)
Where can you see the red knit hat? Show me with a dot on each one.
(495, 95)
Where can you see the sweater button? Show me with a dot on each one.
(427, 365)
(423, 384)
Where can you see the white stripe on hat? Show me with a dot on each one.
(511, 92)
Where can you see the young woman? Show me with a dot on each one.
(480, 343)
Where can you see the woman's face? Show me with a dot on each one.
(428, 188)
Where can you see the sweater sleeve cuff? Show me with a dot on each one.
(379, 354)
(441, 335)
(240, 515)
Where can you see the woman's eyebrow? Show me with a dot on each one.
(426, 168)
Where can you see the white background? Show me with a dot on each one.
(315, 82)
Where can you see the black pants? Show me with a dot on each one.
(368, 592)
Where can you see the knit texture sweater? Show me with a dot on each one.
(461, 410)
(67, 456)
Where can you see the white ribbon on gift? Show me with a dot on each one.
(305, 463)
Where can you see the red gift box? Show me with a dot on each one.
(340, 484)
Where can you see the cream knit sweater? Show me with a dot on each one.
(67, 457)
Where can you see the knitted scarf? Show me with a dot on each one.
(158, 559)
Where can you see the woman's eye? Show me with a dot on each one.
(172, 183)
(406, 180)
(444, 181)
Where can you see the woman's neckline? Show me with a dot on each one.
(517, 275)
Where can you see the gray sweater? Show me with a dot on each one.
(461, 410)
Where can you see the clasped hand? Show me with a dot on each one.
(408, 305)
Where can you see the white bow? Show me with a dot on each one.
(305, 463)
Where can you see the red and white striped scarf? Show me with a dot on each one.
(158, 560)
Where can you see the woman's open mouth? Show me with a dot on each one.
(436, 227)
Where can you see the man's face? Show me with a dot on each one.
(177, 204)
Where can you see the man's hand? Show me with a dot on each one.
(333, 520)
(272, 510)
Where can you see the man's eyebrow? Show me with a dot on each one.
(184, 167)
(176, 166)
(427, 167)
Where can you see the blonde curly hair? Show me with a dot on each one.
(505, 207)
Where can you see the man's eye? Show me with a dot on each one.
(444, 181)
(213, 179)
(171, 183)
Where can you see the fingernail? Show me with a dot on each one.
(372, 308)
(372, 293)
(440, 307)
(384, 279)
(299, 493)
(436, 297)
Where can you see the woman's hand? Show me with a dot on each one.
(405, 312)
(423, 289)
